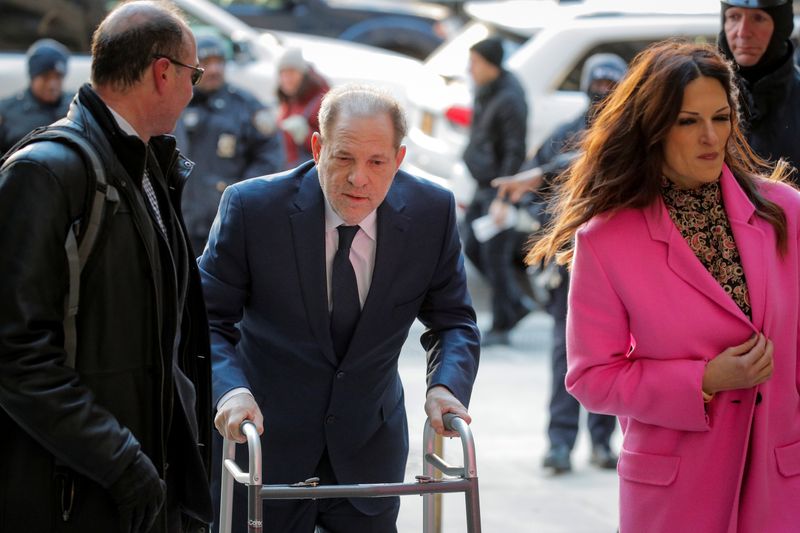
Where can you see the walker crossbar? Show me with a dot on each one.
(463, 479)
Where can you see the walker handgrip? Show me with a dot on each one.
(248, 429)
(448, 421)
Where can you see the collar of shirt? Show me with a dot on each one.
(362, 251)
(123, 124)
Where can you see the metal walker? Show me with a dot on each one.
(460, 479)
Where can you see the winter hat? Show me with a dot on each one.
(609, 67)
(783, 21)
(293, 58)
(45, 55)
(209, 46)
(490, 49)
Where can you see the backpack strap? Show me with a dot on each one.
(87, 227)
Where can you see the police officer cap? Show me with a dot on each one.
(210, 46)
(45, 55)
(755, 3)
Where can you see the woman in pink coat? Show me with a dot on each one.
(683, 309)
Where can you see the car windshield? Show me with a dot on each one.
(451, 59)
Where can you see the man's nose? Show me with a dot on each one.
(358, 175)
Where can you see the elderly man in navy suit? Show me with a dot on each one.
(313, 278)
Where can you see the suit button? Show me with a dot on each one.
(758, 398)
(339, 375)
(330, 419)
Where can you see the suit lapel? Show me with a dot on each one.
(389, 254)
(682, 261)
(308, 235)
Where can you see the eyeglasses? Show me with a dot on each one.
(197, 72)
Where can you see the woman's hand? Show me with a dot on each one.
(740, 367)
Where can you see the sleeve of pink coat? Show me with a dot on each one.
(606, 373)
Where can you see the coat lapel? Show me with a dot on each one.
(751, 241)
(391, 251)
(308, 235)
(682, 261)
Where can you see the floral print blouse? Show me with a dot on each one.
(700, 217)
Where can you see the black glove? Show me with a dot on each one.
(139, 494)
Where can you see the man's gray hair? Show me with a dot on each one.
(360, 101)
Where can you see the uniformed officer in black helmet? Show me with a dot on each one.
(755, 35)
(44, 101)
(229, 135)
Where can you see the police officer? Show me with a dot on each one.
(229, 135)
(755, 35)
(43, 102)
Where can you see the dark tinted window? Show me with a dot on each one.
(70, 22)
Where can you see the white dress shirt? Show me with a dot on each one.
(362, 257)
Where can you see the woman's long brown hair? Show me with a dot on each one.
(622, 152)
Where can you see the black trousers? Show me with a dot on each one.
(562, 428)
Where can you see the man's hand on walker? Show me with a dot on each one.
(439, 401)
(233, 412)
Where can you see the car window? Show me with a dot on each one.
(272, 5)
(625, 49)
(70, 22)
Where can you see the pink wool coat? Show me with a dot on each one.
(644, 318)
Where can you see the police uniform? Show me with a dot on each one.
(22, 112)
(230, 136)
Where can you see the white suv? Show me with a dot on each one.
(546, 44)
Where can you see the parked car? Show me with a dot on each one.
(253, 53)
(546, 44)
(411, 28)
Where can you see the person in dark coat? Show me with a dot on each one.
(313, 278)
(601, 73)
(300, 92)
(118, 442)
(755, 36)
(496, 148)
(229, 134)
(44, 101)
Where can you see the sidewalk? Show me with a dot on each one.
(509, 410)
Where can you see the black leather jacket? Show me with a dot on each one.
(771, 113)
(66, 435)
(499, 125)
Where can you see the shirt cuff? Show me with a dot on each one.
(231, 393)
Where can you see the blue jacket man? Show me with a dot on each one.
(43, 102)
(271, 273)
(229, 135)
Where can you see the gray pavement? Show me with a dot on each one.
(509, 410)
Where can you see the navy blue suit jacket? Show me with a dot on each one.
(265, 284)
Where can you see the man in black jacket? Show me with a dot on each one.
(755, 35)
(119, 443)
(496, 148)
